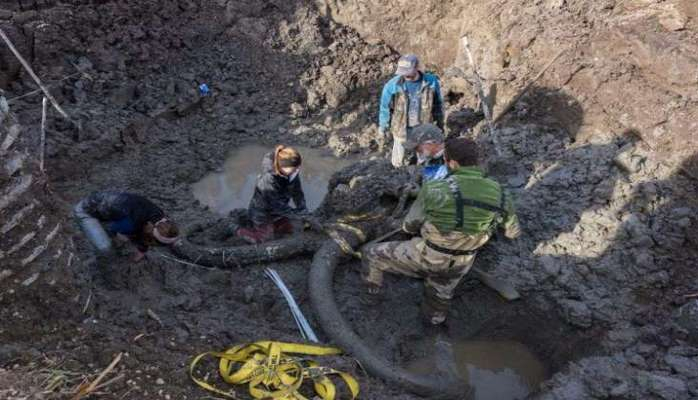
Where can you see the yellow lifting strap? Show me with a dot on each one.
(270, 372)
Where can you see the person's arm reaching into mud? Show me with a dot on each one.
(511, 226)
(297, 194)
(415, 217)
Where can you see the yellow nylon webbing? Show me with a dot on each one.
(270, 373)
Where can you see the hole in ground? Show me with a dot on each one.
(503, 349)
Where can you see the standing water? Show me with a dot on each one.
(233, 187)
(496, 370)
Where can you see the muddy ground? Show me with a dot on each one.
(608, 256)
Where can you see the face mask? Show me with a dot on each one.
(294, 175)
(426, 158)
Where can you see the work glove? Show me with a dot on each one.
(398, 155)
(309, 220)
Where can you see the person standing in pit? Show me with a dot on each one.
(276, 186)
(453, 218)
(106, 214)
(409, 99)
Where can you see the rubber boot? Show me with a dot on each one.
(434, 310)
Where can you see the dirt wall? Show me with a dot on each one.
(631, 65)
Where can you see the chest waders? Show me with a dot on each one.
(461, 203)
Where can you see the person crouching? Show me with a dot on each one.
(106, 214)
(276, 186)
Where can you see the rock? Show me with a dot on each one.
(683, 365)
(672, 18)
(463, 120)
(628, 161)
(620, 390)
(686, 351)
(5, 273)
(335, 93)
(576, 313)
(297, 110)
(687, 318)
(160, 381)
(667, 388)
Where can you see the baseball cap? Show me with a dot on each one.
(425, 133)
(407, 65)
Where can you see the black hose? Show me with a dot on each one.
(320, 282)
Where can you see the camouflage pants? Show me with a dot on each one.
(441, 272)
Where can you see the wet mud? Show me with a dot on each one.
(233, 187)
(604, 267)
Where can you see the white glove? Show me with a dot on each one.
(398, 153)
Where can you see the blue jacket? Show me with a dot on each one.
(396, 85)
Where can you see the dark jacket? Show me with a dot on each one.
(273, 193)
(122, 209)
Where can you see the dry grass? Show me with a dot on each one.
(49, 379)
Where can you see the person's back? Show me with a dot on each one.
(483, 203)
(113, 205)
(111, 213)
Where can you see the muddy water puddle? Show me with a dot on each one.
(497, 370)
(234, 185)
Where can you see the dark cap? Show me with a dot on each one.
(407, 65)
(422, 134)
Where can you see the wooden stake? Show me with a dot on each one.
(29, 70)
(44, 108)
(481, 94)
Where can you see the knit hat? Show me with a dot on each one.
(422, 134)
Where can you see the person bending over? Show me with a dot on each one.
(106, 214)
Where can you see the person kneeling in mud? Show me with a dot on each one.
(123, 215)
(270, 209)
(454, 217)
